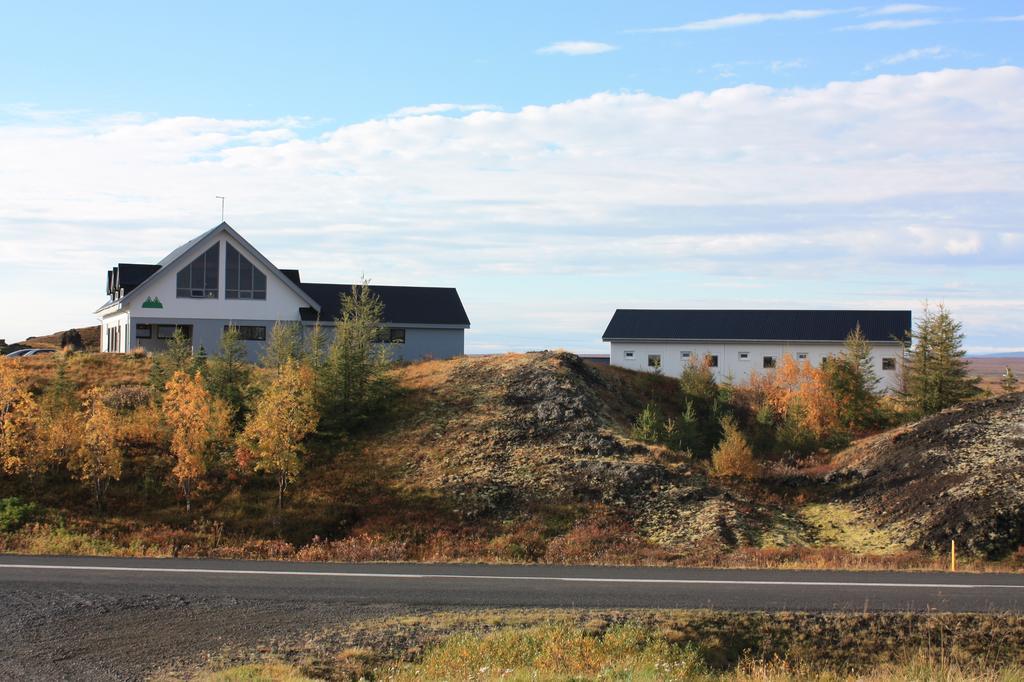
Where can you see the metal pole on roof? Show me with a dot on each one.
(221, 207)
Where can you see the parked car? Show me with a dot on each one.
(30, 352)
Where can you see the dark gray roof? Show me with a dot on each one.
(758, 325)
(402, 305)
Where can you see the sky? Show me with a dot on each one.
(554, 161)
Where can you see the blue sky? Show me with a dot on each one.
(552, 160)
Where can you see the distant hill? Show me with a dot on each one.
(90, 335)
(1008, 354)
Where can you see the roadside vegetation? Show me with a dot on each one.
(651, 645)
(327, 450)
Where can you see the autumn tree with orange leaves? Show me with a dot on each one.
(197, 421)
(285, 414)
(99, 457)
(19, 421)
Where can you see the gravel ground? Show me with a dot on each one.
(57, 635)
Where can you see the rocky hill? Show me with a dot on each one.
(958, 475)
(502, 435)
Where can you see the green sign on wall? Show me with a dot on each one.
(153, 302)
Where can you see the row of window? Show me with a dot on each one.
(200, 278)
(767, 361)
(162, 331)
(245, 332)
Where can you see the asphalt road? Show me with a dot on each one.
(461, 585)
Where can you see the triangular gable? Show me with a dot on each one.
(184, 253)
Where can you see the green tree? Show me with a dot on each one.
(353, 382)
(317, 345)
(647, 425)
(230, 375)
(937, 369)
(853, 382)
(1009, 381)
(702, 394)
(59, 395)
(284, 344)
(176, 357)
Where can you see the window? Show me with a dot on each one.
(628, 355)
(801, 356)
(744, 355)
(654, 361)
(143, 331)
(242, 279)
(712, 360)
(396, 336)
(685, 355)
(250, 333)
(198, 279)
(769, 362)
(166, 331)
(889, 363)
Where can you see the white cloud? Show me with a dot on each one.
(934, 52)
(1018, 17)
(885, 187)
(577, 48)
(745, 19)
(889, 25)
(441, 108)
(905, 8)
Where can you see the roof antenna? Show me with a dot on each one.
(221, 207)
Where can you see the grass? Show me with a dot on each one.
(842, 525)
(665, 645)
(270, 671)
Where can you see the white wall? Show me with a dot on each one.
(729, 362)
(282, 302)
(121, 321)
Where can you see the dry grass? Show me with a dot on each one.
(270, 671)
(86, 370)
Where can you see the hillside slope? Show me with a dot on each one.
(501, 436)
(957, 475)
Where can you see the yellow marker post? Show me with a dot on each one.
(952, 556)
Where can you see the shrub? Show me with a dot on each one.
(356, 548)
(733, 456)
(127, 398)
(14, 513)
(647, 426)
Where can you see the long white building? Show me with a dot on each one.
(740, 342)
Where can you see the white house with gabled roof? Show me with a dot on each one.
(219, 279)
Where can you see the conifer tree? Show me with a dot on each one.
(704, 396)
(230, 375)
(647, 426)
(853, 382)
(937, 371)
(1009, 380)
(353, 382)
(284, 344)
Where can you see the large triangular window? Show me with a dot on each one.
(243, 279)
(199, 279)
